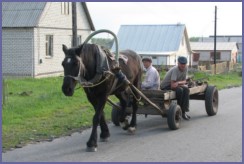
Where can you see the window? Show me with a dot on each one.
(49, 45)
(79, 40)
(218, 54)
(196, 57)
(65, 8)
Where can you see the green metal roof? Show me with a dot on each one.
(150, 38)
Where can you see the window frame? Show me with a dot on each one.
(65, 8)
(49, 46)
(218, 55)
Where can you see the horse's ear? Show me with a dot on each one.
(65, 49)
(78, 50)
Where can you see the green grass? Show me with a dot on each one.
(37, 110)
(221, 81)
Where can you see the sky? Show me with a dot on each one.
(197, 16)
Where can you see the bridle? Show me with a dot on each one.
(86, 84)
(76, 78)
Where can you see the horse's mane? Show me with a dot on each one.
(94, 58)
(87, 51)
(107, 52)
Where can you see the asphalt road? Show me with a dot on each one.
(202, 139)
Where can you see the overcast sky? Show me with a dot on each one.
(197, 16)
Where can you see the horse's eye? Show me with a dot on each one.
(62, 63)
(76, 63)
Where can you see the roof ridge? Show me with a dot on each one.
(153, 25)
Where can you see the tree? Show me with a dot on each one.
(106, 42)
(194, 39)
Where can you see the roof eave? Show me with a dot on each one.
(157, 53)
(88, 16)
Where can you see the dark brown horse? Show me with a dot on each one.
(91, 65)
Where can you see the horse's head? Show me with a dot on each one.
(73, 68)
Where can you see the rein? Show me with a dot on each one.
(85, 84)
(91, 85)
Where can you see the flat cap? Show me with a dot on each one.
(182, 59)
(147, 58)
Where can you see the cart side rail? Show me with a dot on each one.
(169, 95)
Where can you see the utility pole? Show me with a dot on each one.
(215, 29)
(74, 25)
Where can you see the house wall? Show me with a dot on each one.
(17, 51)
(52, 22)
(161, 61)
(183, 51)
(171, 59)
(234, 55)
(51, 65)
(239, 56)
(205, 55)
(52, 17)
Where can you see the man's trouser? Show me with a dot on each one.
(182, 96)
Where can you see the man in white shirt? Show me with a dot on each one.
(152, 79)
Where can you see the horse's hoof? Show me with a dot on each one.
(104, 139)
(132, 130)
(91, 149)
(123, 125)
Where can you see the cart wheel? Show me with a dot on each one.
(174, 116)
(115, 115)
(211, 100)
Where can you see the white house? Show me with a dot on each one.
(226, 38)
(164, 43)
(225, 51)
(33, 34)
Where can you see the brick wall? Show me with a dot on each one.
(17, 52)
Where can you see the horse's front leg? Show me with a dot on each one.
(98, 105)
(132, 127)
(104, 129)
(123, 121)
(92, 142)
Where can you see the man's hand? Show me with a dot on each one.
(182, 82)
(175, 84)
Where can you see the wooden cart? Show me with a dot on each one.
(163, 102)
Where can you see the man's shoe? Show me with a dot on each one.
(185, 116)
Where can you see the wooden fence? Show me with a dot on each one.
(221, 67)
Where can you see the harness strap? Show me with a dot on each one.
(113, 86)
(87, 84)
(137, 99)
